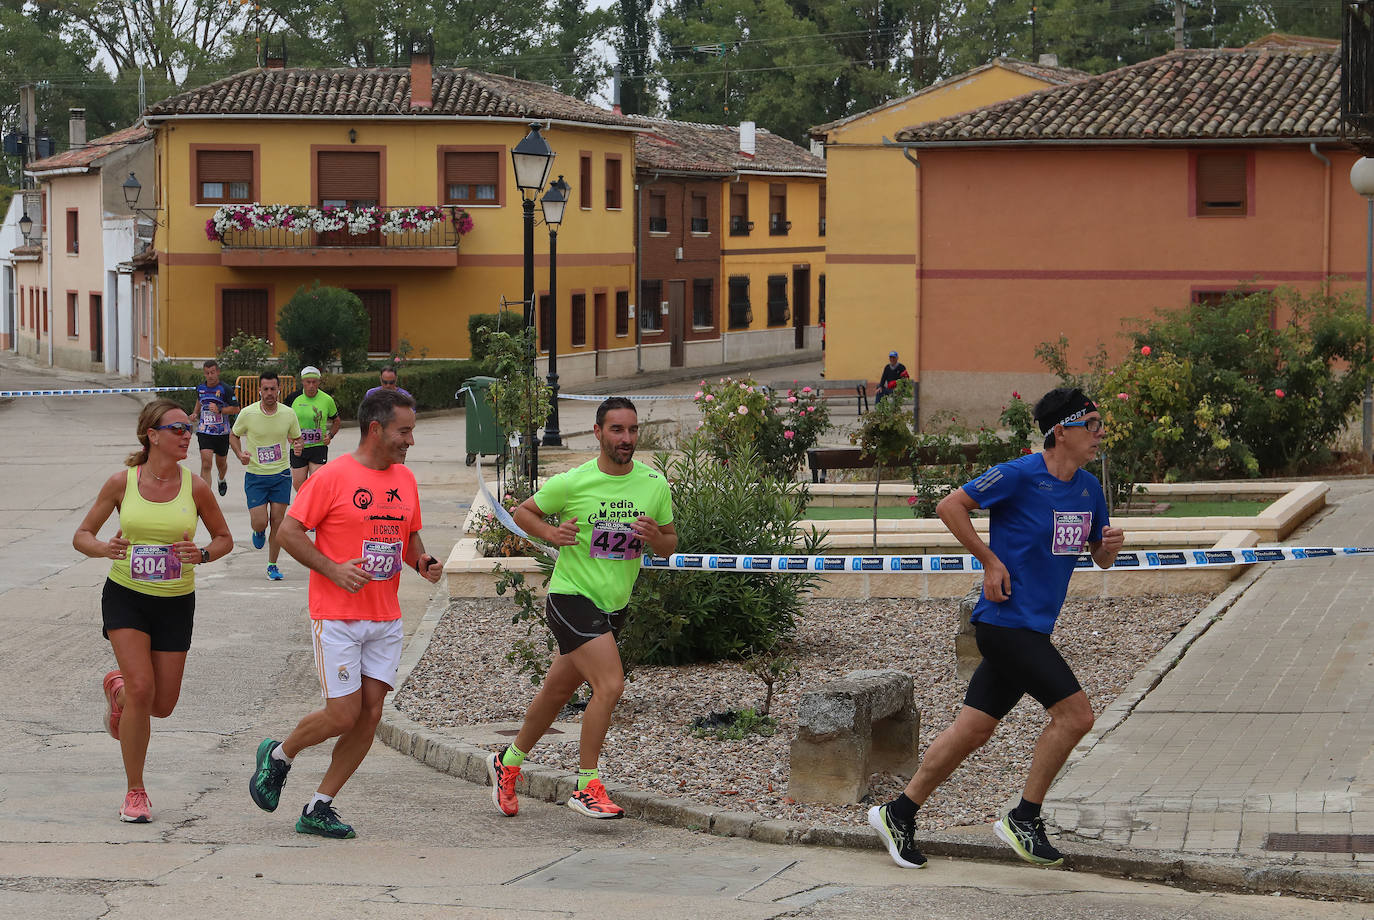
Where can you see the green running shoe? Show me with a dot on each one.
(268, 778)
(1028, 839)
(324, 821)
(899, 838)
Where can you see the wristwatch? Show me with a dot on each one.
(204, 556)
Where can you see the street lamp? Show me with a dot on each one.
(531, 159)
(26, 228)
(132, 189)
(553, 203)
(1362, 180)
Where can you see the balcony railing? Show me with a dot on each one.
(658, 225)
(740, 226)
(701, 225)
(296, 234)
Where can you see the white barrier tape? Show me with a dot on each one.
(91, 392)
(632, 397)
(502, 515)
(1143, 559)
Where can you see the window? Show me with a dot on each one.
(71, 314)
(546, 320)
(224, 176)
(703, 306)
(472, 177)
(73, 231)
(658, 212)
(1221, 184)
(741, 316)
(622, 313)
(650, 297)
(820, 305)
(778, 224)
(778, 312)
(612, 182)
(700, 224)
(349, 178)
(244, 310)
(740, 224)
(378, 307)
(43, 311)
(822, 209)
(579, 319)
(585, 191)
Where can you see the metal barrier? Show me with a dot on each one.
(246, 388)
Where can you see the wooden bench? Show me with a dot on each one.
(839, 390)
(821, 459)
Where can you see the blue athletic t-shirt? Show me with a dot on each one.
(212, 399)
(1040, 524)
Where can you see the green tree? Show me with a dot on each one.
(632, 44)
(321, 323)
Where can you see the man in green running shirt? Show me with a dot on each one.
(319, 418)
(609, 509)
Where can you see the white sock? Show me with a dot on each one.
(319, 797)
(279, 754)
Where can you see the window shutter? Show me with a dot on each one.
(224, 165)
(244, 311)
(1221, 183)
(472, 167)
(350, 175)
(378, 307)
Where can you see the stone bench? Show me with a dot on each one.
(850, 728)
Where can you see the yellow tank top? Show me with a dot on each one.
(151, 528)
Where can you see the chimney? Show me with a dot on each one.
(746, 138)
(276, 60)
(1049, 59)
(615, 89)
(421, 71)
(76, 129)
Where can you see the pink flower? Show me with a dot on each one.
(743, 410)
(1279, 393)
(791, 399)
(1145, 350)
(710, 398)
(1123, 396)
(911, 499)
(789, 435)
(1025, 450)
(806, 389)
(698, 396)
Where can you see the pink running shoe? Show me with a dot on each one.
(595, 803)
(113, 681)
(137, 809)
(503, 785)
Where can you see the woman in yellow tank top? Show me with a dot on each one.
(149, 601)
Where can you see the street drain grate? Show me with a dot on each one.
(1320, 843)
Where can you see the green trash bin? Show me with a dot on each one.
(484, 436)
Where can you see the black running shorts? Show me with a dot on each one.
(575, 620)
(1017, 662)
(167, 620)
(319, 454)
(219, 443)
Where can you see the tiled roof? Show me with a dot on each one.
(1184, 95)
(351, 92)
(1053, 75)
(93, 152)
(682, 146)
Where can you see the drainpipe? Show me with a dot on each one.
(639, 275)
(47, 257)
(920, 261)
(1326, 211)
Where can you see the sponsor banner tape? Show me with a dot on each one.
(98, 391)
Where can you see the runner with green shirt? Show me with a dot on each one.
(319, 420)
(269, 433)
(610, 508)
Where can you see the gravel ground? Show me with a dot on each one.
(464, 678)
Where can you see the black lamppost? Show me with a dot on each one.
(531, 159)
(553, 204)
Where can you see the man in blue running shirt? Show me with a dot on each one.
(1046, 510)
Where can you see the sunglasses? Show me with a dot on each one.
(178, 427)
(1093, 425)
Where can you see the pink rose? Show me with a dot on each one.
(710, 398)
(698, 396)
(911, 499)
(1279, 393)
(1145, 350)
(743, 410)
(1123, 396)
(806, 389)
(791, 399)
(1015, 395)
(789, 435)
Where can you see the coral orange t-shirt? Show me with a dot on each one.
(359, 513)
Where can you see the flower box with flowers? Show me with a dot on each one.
(283, 225)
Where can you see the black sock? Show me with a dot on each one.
(1026, 811)
(902, 808)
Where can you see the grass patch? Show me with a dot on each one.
(1216, 509)
(885, 513)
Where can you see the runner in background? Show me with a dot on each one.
(148, 603)
(214, 401)
(319, 421)
(269, 433)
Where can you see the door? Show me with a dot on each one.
(349, 179)
(599, 331)
(378, 307)
(97, 327)
(677, 311)
(801, 302)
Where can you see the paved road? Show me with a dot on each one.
(429, 845)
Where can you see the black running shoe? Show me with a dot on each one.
(223, 487)
(324, 821)
(268, 778)
(1028, 839)
(900, 837)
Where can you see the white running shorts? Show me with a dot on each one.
(346, 651)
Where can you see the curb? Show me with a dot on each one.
(469, 762)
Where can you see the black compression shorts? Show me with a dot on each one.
(1017, 662)
(575, 620)
(168, 621)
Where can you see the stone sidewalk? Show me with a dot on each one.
(1264, 727)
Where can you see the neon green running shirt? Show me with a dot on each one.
(604, 563)
(314, 414)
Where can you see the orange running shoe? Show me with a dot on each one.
(503, 785)
(137, 809)
(595, 803)
(113, 681)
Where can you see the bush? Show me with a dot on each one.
(433, 384)
(178, 374)
(779, 425)
(245, 354)
(676, 616)
(319, 323)
(482, 325)
(943, 463)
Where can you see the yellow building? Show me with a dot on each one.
(874, 214)
(372, 143)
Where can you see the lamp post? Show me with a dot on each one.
(1362, 180)
(553, 203)
(132, 189)
(531, 159)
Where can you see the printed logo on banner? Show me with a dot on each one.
(690, 562)
(947, 564)
(758, 562)
(1084, 561)
(1354, 550)
(1127, 560)
(868, 563)
(908, 564)
(1299, 553)
(1265, 555)
(1315, 551)
(1217, 556)
(792, 563)
(830, 564)
(724, 562)
(1167, 558)
(656, 562)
